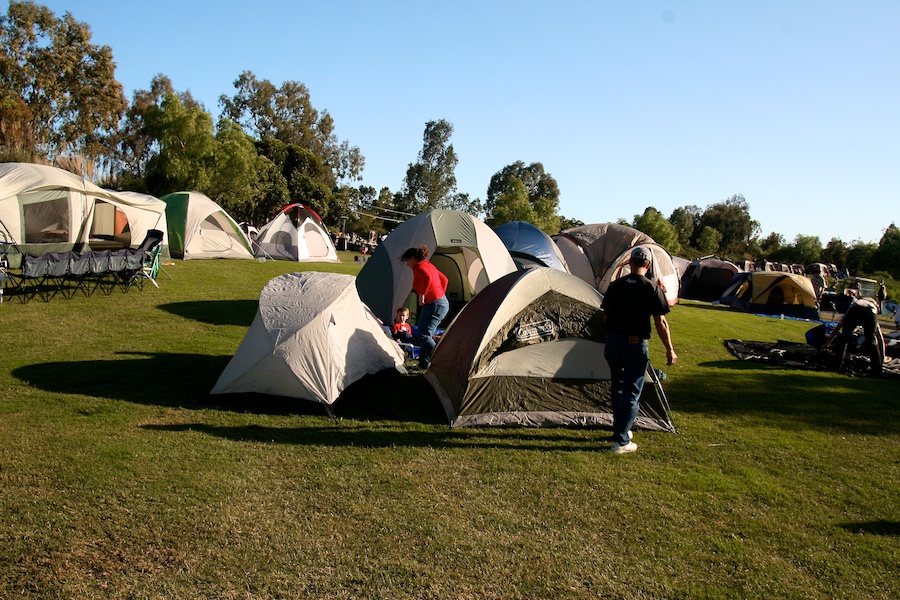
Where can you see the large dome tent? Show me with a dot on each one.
(606, 247)
(528, 351)
(461, 246)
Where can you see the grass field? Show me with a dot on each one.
(120, 477)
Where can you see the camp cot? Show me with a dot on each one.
(46, 209)
(461, 246)
(529, 246)
(772, 293)
(707, 278)
(528, 351)
(599, 254)
(311, 337)
(297, 233)
(200, 228)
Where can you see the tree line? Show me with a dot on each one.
(269, 146)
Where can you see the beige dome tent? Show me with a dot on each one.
(463, 248)
(528, 351)
(599, 254)
(312, 337)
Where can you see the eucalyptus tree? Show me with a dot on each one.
(285, 113)
(58, 91)
(541, 194)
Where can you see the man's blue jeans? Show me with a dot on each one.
(628, 363)
(430, 316)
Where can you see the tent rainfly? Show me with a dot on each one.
(312, 337)
(529, 246)
(200, 228)
(296, 233)
(528, 351)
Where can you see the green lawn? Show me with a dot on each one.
(120, 477)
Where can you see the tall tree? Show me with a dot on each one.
(68, 84)
(186, 146)
(835, 252)
(887, 257)
(653, 223)
(431, 181)
(731, 218)
(685, 219)
(806, 249)
(286, 114)
(859, 256)
(709, 240)
(541, 189)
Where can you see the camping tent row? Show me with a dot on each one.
(526, 351)
(46, 209)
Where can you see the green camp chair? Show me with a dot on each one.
(149, 269)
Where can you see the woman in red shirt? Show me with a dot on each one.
(430, 286)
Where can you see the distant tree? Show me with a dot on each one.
(835, 252)
(512, 204)
(731, 218)
(567, 223)
(306, 179)
(56, 86)
(186, 141)
(887, 256)
(541, 190)
(431, 181)
(859, 256)
(286, 114)
(806, 249)
(709, 240)
(653, 223)
(685, 220)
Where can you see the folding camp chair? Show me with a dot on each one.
(149, 269)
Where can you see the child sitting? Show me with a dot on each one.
(402, 330)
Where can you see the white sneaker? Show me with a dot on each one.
(630, 436)
(623, 448)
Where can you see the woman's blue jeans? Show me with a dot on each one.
(430, 316)
(628, 363)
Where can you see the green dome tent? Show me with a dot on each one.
(199, 228)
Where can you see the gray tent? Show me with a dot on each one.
(599, 255)
(528, 351)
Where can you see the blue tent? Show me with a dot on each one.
(529, 246)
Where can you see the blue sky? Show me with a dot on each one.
(794, 104)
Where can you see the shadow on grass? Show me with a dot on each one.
(881, 527)
(817, 399)
(378, 436)
(215, 312)
(184, 381)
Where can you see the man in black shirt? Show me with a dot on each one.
(629, 304)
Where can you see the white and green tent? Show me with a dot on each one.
(200, 228)
(462, 247)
